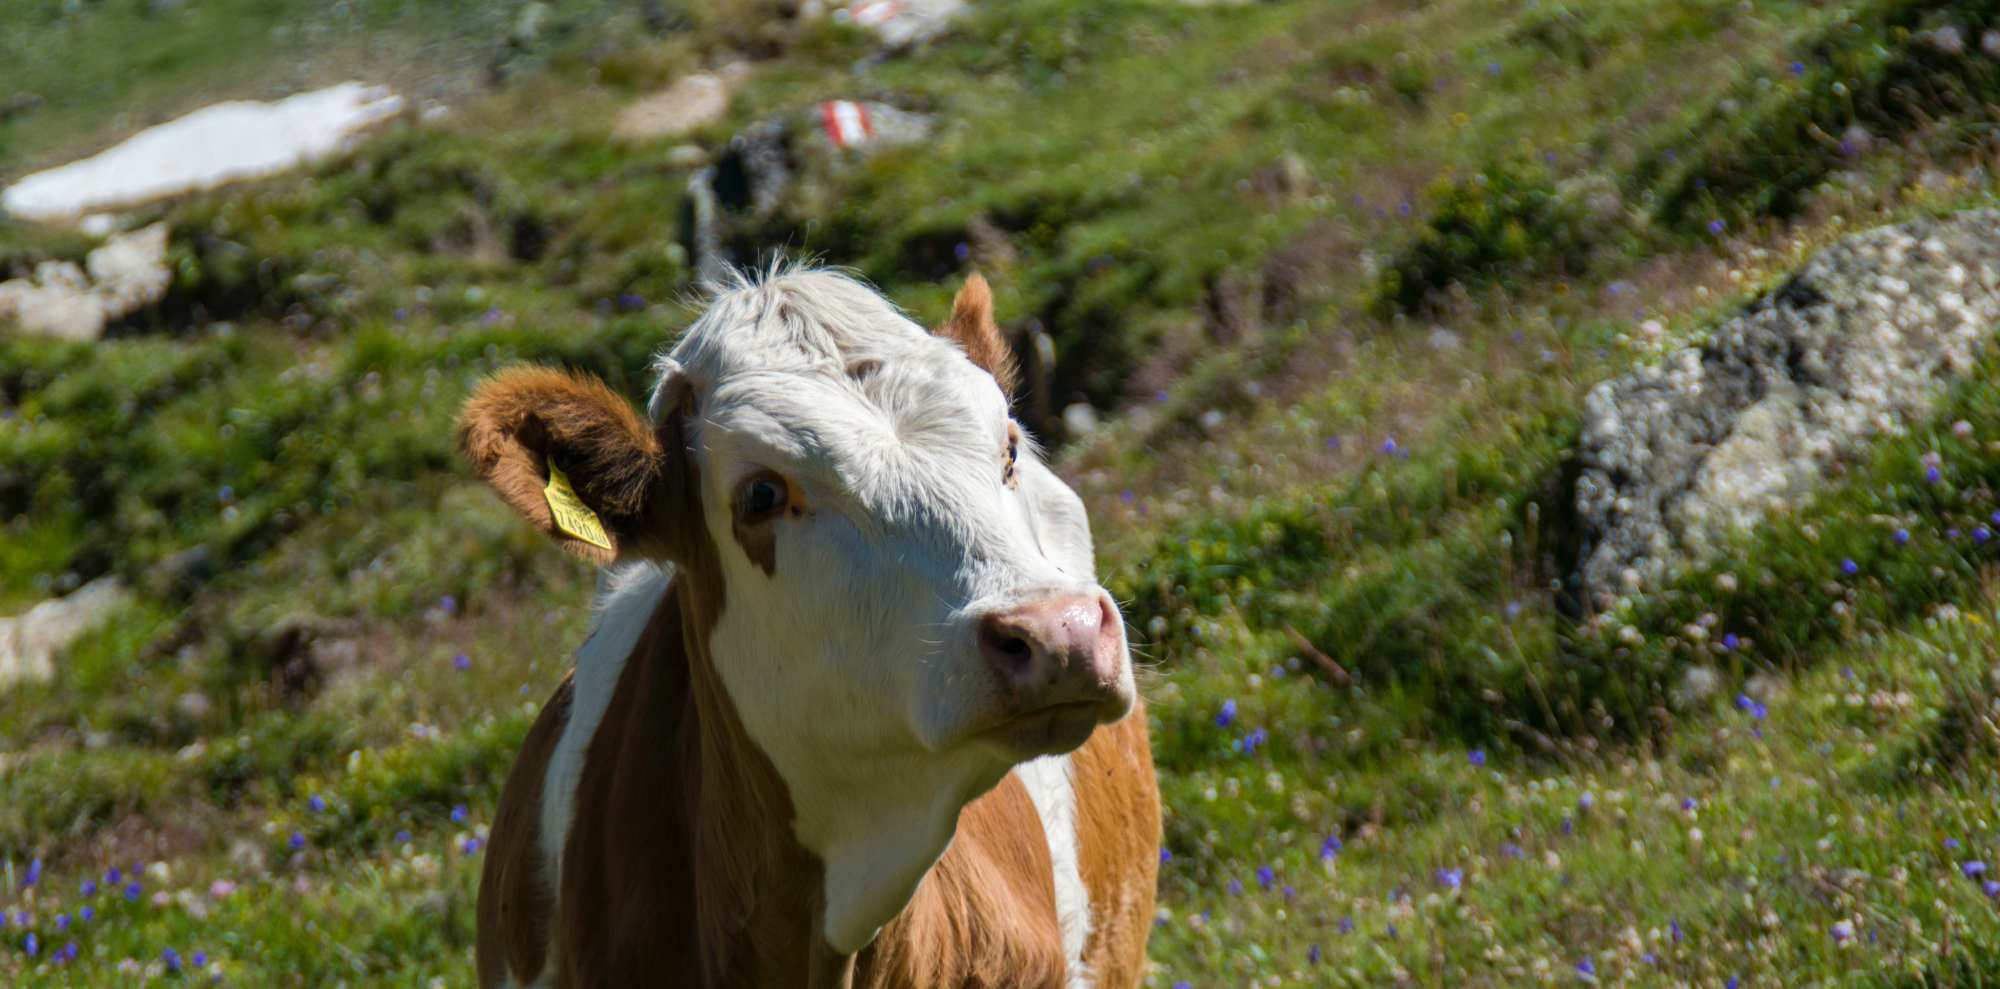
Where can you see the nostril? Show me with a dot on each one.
(1013, 645)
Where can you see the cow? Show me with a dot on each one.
(854, 710)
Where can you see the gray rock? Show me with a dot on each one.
(29, 643)
(1679, 457)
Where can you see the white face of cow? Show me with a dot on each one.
(911, 606)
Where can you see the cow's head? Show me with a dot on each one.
(906, 597)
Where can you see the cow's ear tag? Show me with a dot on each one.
(571, 514)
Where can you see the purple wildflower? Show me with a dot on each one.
(317, 803)
(1165, 856)
(1674, 927)
(1758, 711)
(1312, 956)
(1451, 878)
(448, 604)
(87, 914)
(1798, 68)
(1717, 227)
(1389, 445)
(1587, 801)
(1265, 876)
(1734, 983)
(1688, 804)
(1902, 537)
(1950, 843)
(132, 891)
(1346, 925)
(1729, 642)
(1585, 968)
(89, 888)
(1849, 567)
(112, 878)
(34, 873)
(1511, 850)
(402, 836)
(1477, 757)
(1931, 474)
(458, 814)
(1569, 825)
(1843, 930)
(1329, 848)
(1333, 442)
(31, 945)
(1235, 887)
(298, 840)
(1248, 743)
(1743, 702)
(171, 958)
(461, 663)
(199, 958)
(62, 921)
(1980, 534)
(1973, 869)
(1227, 715)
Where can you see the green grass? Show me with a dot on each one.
(1339, 276)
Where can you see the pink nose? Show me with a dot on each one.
(1055, 650)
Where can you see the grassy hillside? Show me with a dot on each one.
(1335, 276)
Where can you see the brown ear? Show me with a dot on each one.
(523, 418)
(973, 327)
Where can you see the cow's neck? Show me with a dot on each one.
(874, 811)
(759, 894)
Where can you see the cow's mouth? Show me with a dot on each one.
(1051, 730)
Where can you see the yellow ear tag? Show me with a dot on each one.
(572, 515)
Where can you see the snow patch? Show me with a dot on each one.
(210, 147)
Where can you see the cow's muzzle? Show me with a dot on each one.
(1063, 662)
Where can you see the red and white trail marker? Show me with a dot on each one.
(846, 123)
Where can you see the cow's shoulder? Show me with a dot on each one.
(516, 899)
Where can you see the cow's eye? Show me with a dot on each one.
(761, 497)
(1007, 475)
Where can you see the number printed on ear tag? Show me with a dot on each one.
(572, 515)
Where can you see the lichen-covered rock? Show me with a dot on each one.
(1679, 456)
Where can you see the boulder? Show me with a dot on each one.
(1680, 456)
(29, 643)
(127, 274)
(694, 100)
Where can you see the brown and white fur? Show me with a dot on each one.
(854, 710)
